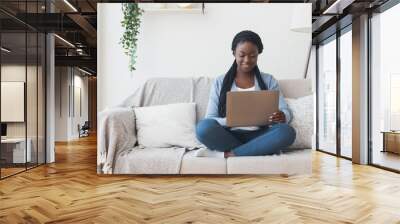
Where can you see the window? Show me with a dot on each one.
(385, 86)
(327, 96)
(22, 67)
(346, 93)
(394, 102)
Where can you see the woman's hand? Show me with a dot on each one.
(277, 117)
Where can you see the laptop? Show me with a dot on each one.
(250, 108)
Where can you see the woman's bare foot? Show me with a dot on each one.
(229, 154)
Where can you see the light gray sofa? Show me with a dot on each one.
(118, 152)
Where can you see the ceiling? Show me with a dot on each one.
(76, 22)
(77, 25)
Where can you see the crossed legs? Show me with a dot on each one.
(265, 141)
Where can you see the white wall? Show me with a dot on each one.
(12, 73)
(67, 120)
(33, 126)
(192, 44)
(61, 103)
(80, 82)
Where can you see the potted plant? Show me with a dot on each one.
(131, 24)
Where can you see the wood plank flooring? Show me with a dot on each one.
(10, 171)
(388, 159)
(70, 191)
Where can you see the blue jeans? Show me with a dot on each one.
(265, 141)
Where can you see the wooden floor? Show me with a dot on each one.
(70, 191)
(10, 171)
(387, 159)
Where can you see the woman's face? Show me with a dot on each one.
(246, 55)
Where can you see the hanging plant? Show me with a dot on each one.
(131, 23)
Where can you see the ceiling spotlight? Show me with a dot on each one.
(80, 51)
(5, 50)
(70, 5)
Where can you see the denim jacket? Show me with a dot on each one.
(270, 82)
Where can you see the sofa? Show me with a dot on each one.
(119, 151)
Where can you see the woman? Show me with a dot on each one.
(243, 75)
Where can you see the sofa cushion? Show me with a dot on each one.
(202, 165)
(303, 121)
(167, 125)
(295, 88)
(293, 162)
(161, 91)
(149, 161)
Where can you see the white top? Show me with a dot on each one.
(247, 128)
(247, 89)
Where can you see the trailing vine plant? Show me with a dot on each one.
(131, 23)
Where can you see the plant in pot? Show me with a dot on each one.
(131, 24)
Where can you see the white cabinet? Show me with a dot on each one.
(15, 148)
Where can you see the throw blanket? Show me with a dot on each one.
(116, 132)
(117, 154)
(161, 91)
(149, 161)
(116, 151)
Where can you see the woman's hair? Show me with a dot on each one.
(243, 36)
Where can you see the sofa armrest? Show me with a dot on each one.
(116, 132)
